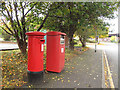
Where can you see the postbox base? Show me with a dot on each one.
(35, 77)
(30, 72)
(52, 71)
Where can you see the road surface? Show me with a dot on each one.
(4, 46)
(111, 50)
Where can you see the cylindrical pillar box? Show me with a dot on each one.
(35, 51)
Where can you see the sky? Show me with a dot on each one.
(113, 24)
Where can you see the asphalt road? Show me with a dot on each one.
(8, 46)
(112, 55)
(111, 50)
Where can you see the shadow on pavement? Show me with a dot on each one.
(35, 78)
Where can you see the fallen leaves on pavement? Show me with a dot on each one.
(14, 66)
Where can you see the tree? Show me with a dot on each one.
(62, 16)
(20, 16)
(23, 17)
(65, 20)
(74, 14)
(84, 32)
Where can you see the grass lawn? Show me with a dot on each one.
(14, 66)
(78, 45)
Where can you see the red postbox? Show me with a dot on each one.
(55, 51)
(35, 51)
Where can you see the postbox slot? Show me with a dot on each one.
(62, 39)
(42, 45)
(42, 40)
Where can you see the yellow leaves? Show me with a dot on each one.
(66, 71)
(53, 78)
(13, 64)
(68, 80)
(62, 81)
(10, 59)
(24, 82)
(10, 73)
(1, 56)
(73, 67)
(20, 70)
(3, 65)
(4, 76)
(61, 78)
(106, 84)
(7, 82)
(29, 86)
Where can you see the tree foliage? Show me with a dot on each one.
(74, 15)
(20, 17)
(93, 30)
(68, 17)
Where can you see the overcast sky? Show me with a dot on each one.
(113, 24)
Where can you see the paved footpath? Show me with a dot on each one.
(83, 71)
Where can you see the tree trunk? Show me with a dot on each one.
(83, 41)
(22, 45)
(71, 42)
(83, 44)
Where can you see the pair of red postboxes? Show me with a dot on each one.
(55, 52)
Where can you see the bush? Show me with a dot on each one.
(76, 42)
(112, 39)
